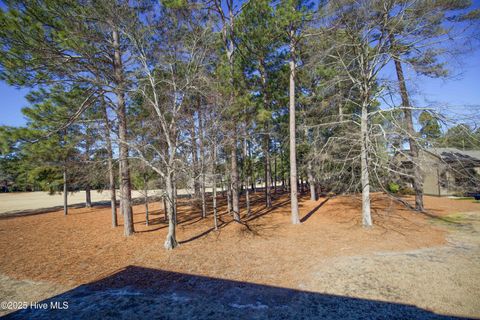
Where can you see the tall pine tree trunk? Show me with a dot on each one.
(202, 160)
(125, 184)
(171, 240)
(196, 182)
(310, 178)
(252, 171)
(229, 196)
(111, 174)
(88, 196)
(65, 190)
(175, 197)
(165, 213)
(246, 171)
(365, 180)
(234, 176)
(293, 147)
(268, 194)
(275, 174)
(230, 47)
(145, 193)
(417, 174)
(222, 191)
(271, 175)
(214, 186)
(266, 141)
(282, 170)
(122, 212)
(311, 181)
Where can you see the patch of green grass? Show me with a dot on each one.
(452, 219)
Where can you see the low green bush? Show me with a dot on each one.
(393, 187)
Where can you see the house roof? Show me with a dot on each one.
(454, 154)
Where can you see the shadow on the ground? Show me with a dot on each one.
(308, 215)
(142, 293)
(264, 211)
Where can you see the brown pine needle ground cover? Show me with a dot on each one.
(82, 247)
(266, 249)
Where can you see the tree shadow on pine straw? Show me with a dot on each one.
(309, 214)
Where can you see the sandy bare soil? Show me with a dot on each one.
(21, 201)
(408, 266)
(25, 202)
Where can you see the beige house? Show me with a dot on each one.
(448, 171)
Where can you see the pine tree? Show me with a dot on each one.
(292, 16)
(259, 43)
(49, 42)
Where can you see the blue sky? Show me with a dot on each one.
(457, 97)
(461, 93)
(12, 100)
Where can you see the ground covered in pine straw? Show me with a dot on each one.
(408, 265)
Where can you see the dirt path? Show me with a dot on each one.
(329, 267)
(445, 279)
